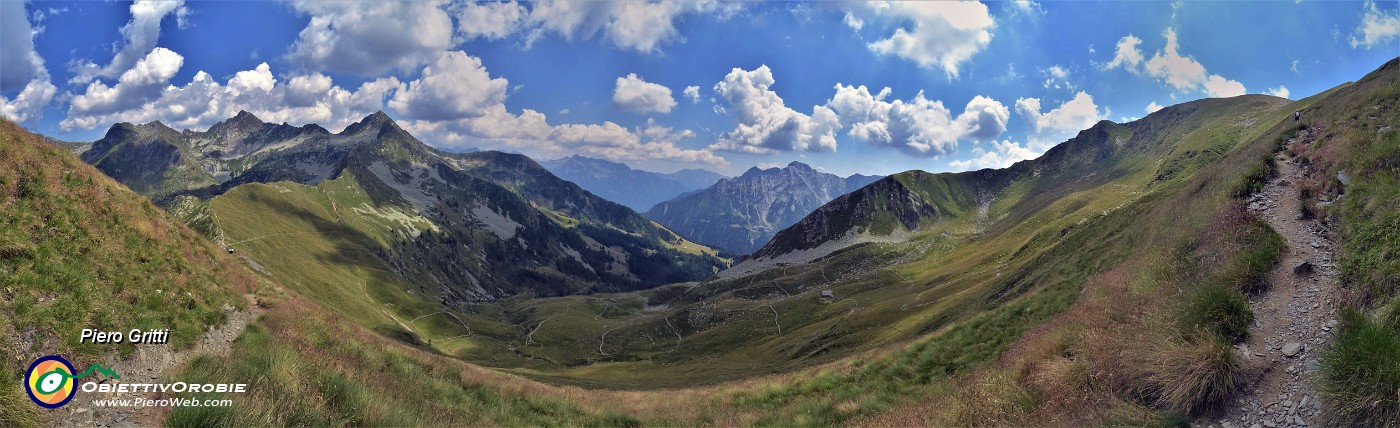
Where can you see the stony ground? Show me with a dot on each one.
(1293, 320)
(149, 364)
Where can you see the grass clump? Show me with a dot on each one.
(1360, 374)
(1193, 375)
(1248, 270)
(15, 411)
(1256, 178)
(1219, 311)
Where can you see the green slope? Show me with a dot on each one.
(1022, 240)
(78, 250)
(521, 229)
(1100, 284)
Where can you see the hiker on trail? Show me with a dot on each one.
(1296, 113)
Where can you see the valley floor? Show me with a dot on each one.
(1293, 319)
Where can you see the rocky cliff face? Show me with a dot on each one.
(742, 213)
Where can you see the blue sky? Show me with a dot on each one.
(665, 86)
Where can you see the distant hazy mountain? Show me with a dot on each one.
(695, 179)
(742, 213)
(637, 189)
(462, 226)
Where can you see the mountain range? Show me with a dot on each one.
(633, 188)
(1159, 271)
(462, 226)
(740, 214)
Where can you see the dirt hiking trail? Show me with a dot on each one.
(1293, 320)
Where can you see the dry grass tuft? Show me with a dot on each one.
(1194, 375)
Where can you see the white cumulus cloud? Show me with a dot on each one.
(302, 99)
(692, 93)
(633, 94)
(1220, 87)
(22, 68)
(997, 154)
(531, 133)
(1179, 71)
(1378, 27)
(139, 34)
(1152, 107)
(142, 83)
(1127, 54)
(1051, 127)
(643, 26)
(634, 25)
(259, 78)
(943, 35)
(30, 102)
(852, 21)
(766, 124)
(491, 20)
(1281, 91)
(919, 127)
(370, 38)
(454, 85)
(21, 63)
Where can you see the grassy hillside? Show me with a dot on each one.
(1026, 247)
(1105, 283)
(306, 366)
(1065, 315)
(531, 233)
(1149, 337)
(1354, 150)
(78, 250)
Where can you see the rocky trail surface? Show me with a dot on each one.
(1293, 320)
(148, 364)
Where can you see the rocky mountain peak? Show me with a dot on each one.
(799, 166)
(244, 122)
(379, 121)
(244, 116)
(742, 213)
(156, 125)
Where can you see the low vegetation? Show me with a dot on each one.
(1361, 373)
(1360, 376)
(1092, 299)
(79, 251)
(305, 367)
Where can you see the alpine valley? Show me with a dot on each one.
(1224, 261)
(459, 227)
